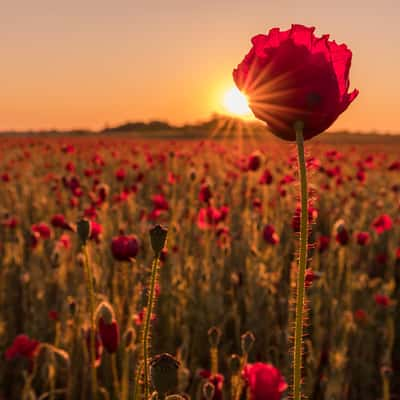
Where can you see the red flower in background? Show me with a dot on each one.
(382, 300)
(293, 75)
(254, 161)
(42, 230)
(265, 381)
(266, 178)
(53, 315)
(22, 346)
(382, 223)
(360, 315)
(59, 221)
(124, 247)
(217, 380)
(205, 193)
(270, 235)
(363, 238)
(96, 231)
(323, 243)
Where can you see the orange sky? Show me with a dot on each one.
(76, 64)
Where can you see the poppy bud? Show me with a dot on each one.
(129, 337)
(235, 364)
(109, 334)
(158, 236)
(83, 228)
(105, 311)
(214, 336)
(164, 373)
(208, 391)
(247, 340)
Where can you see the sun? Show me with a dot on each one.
(235, 103)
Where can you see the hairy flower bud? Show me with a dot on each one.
(129, 337)
(164, 373)
(158, 236)
(247, 340)
(214, 336)
(235, 364)
(208, 391)
(83, 227)
(105, 311)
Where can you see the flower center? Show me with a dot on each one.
(313, 99)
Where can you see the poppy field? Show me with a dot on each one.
(97, 230)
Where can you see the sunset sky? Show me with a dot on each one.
(84, 64)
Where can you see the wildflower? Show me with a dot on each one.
(22, 346)
(382, 224)
(125, 247)
(293, 75)
(264, 381)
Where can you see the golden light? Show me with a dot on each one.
(235, 103)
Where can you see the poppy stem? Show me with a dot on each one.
(92, 339)
(151, 299)
(302, 262)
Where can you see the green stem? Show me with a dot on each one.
(92, 357)
(147, 324)
(300, 295)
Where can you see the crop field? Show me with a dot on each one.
(83, 259)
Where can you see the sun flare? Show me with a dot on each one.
(235, 103)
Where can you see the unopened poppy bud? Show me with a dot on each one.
(158, 236)
(83, 227)
(129, 337)
(164, 373)
(247, 340)
(208, 391)
(106, 312)
(109, 334)
(235, 364)
(214, 336)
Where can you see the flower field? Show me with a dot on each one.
(81, 248)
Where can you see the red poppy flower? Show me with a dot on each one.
(360, 315)
(42, 230)
(254, 161)
(382, 223)
(266, 178)
(96, 231)
(53, 315)
(59, 221)
(22, 346)
(205, 193)
(293, 75)
(323, 243)
(217, 380)
(270, 235)
(382, 300)
(363, 238)
(124, 247)
(264, 381)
